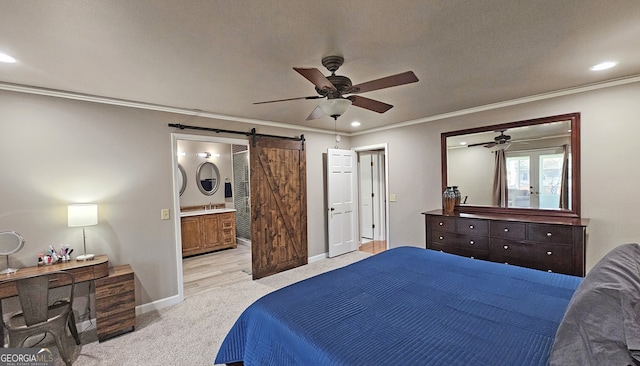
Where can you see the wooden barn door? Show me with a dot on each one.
(279, 205)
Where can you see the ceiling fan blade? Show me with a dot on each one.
(370, 104)
(393, 80)
(315, 76)
(317, 113)
(284, 100)
(492, 143)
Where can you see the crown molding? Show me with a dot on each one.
(508, 103)
(205, 114)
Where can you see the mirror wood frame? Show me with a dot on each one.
(574, 119)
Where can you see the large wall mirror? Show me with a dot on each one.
(208, 178)
(527, 167)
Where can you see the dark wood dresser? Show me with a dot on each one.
(554, 244)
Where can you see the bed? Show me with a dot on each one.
(408, 306)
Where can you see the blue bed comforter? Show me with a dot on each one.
(406, 306)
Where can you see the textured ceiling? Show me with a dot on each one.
(221, 56)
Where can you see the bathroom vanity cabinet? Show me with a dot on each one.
(207, 231)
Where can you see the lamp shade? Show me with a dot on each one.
(82, 215)
(335, 107)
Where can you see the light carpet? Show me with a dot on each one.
(191, 332)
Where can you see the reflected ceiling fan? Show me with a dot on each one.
(501, 139)
(334, 87)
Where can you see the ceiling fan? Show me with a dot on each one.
(501, 139)
(334, 87)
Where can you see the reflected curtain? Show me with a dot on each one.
(564, 183)
(500, 193)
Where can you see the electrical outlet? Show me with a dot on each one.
(164, 213)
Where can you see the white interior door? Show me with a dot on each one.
(366, 196)
(342, 201)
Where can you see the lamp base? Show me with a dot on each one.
(85, 257)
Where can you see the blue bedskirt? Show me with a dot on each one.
(406, 306)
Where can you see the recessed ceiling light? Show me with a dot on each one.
(355, 124)
(603, 66)
(6, 58)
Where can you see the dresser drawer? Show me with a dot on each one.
(564, 266)
(532, 252)
(549, 233)
(473, 226)
(442, 223)
(508, 230)
(465, 252)
(461, 240)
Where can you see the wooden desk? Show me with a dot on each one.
(81, 270)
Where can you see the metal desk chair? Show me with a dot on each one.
(45, 311)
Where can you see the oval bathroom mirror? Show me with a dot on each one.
(10, 242)
(208, 178)
(182, 179)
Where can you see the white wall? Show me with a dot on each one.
(610, 126)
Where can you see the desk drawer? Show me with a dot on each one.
(126, 285)
(116, 324)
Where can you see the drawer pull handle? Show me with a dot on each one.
(550, 271)
(506, 247)
(441, 237)
(549, 252)
(472, 242)
(506, 230)
(548, 235)
(470, 226)
(441, 223)
(472, 257)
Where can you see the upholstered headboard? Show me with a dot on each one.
(602, 323)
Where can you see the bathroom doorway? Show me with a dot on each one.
(200, 272)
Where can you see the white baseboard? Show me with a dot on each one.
(318, 257)
(158, 304)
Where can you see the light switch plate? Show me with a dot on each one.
(164, 213)
(392, 197)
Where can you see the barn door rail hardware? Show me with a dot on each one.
(250, 133)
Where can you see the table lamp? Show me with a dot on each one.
(82, 215)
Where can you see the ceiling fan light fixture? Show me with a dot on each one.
(503, 146)
(335, 107)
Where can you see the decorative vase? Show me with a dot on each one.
(448, 201)
(457, 194)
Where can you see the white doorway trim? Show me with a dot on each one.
(385, 147)
(176, 195)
